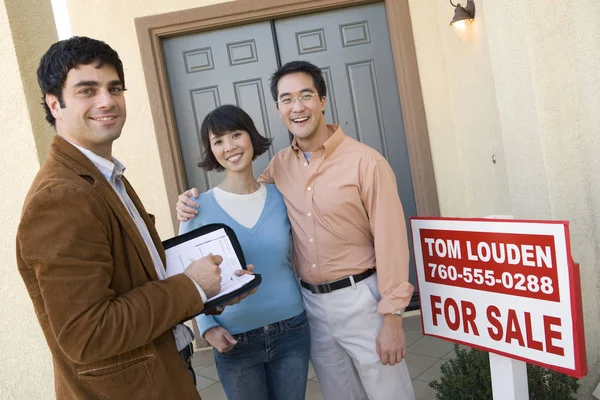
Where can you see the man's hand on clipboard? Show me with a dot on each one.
(219, 309)
(206, 273)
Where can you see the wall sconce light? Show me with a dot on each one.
(462, 19)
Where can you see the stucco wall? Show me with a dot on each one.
(526, 87)
(32, 34)
(26, 368)
(462, 114)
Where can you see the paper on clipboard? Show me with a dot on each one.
(216, 242)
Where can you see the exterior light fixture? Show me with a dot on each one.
(462, 19)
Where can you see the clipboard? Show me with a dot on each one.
(219, 239)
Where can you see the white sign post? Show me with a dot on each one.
(509, 378)
(504, 286)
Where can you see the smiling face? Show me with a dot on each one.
(94, 108)
(303, 118)
(232, 150)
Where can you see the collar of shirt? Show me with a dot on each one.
(111, 170)
(328, 147)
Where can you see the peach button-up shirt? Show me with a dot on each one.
(346, 215)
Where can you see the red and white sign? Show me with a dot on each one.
(505, 286)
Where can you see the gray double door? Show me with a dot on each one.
(233, 66)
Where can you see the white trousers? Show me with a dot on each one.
(343, 329)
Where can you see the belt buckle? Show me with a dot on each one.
(323, 288)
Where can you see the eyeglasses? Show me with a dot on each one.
(290, 100)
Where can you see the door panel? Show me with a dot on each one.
(352, 47)
(209, 69)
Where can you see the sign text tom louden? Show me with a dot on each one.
(504, 286)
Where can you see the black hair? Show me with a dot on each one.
(67, 54)
(299, 66)
(223, 119)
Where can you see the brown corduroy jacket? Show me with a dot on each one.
(106, 316)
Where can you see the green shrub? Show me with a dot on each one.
(467, 377)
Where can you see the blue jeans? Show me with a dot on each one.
(268, 363)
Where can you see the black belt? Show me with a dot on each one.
(328, 287)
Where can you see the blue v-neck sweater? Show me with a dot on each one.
(267, 246)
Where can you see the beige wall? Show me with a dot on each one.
(524, 87)
(32, 33)
(462, 113)
(26, 368)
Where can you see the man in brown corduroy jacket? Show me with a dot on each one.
(89, 253)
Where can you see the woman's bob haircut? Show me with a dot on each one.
(224, 119)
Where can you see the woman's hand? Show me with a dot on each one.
(220, 339)
(185, 207)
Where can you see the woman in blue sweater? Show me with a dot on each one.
(261, 345)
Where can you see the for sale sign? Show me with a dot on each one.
(504, 286)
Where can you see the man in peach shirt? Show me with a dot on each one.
(350, 244)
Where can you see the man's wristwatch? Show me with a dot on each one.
(400, 312)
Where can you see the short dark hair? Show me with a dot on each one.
(223, 119)
(299, 66)
(67, 54)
